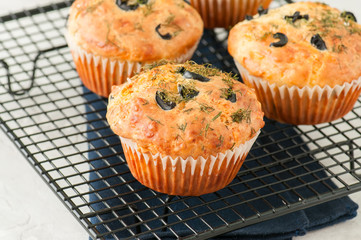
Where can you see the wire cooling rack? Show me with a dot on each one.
(59, 126)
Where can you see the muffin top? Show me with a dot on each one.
(135, 30)
(184, 110)
(300, 44)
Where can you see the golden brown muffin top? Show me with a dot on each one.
(147, 30)
(184, 110)
(323, 47)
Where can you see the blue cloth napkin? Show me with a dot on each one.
(122, 198)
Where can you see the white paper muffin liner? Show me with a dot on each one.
(100, 73)
(185, 177)
(305, 105)
(226, 13)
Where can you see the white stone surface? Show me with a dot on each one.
(29, 210)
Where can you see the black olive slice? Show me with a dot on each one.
(195, 76)
(261, 11)
(348, 16)
(181, 70)
(163, 102)
(249, 17)
(191, 75)
(166, 36)
(296, 16)
(123, 4)
(318, 42)
(187, 93)
(283, 40)
(232, 98)
(228, 94)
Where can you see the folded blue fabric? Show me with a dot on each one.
(117, 193)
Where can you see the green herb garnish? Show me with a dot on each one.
(252, 131)
(155, 64)
(226, 93)
(93, 7)
(231, 148)
(242, 115)
(182, 127)
(169, 19)
(148, 9)
(206, 130)
(138, 26)
(188, 110)
(217, 116)
(155, 120)
(221, 139)
(265, 36)
(179, 136)
(205, 108)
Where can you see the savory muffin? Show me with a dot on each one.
(226, 13)
(185, 128)
(111, 39)
(303, 60)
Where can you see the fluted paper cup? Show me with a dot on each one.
(185, 177)
(305, 105)
(226, 13)
(100, 73)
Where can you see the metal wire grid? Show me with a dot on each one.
(59, 127)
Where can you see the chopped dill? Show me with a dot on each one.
(217, 116)
(340, 48)
(275, 25)
(209, 92)
(252, 131)
(182, 127)
(205, 108)
(228, 81)
(265, 36)
(205, 70)
(169, 19)
(206, 130)
(155, 64)
(155, 120)
(179, 136)
(226, 93)
(242, 114)
(188, 110)
(231, 148)
(148, 9)
(177, 32)
(138, 26)
(93, 7)
(221, 139)
(239, 91)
